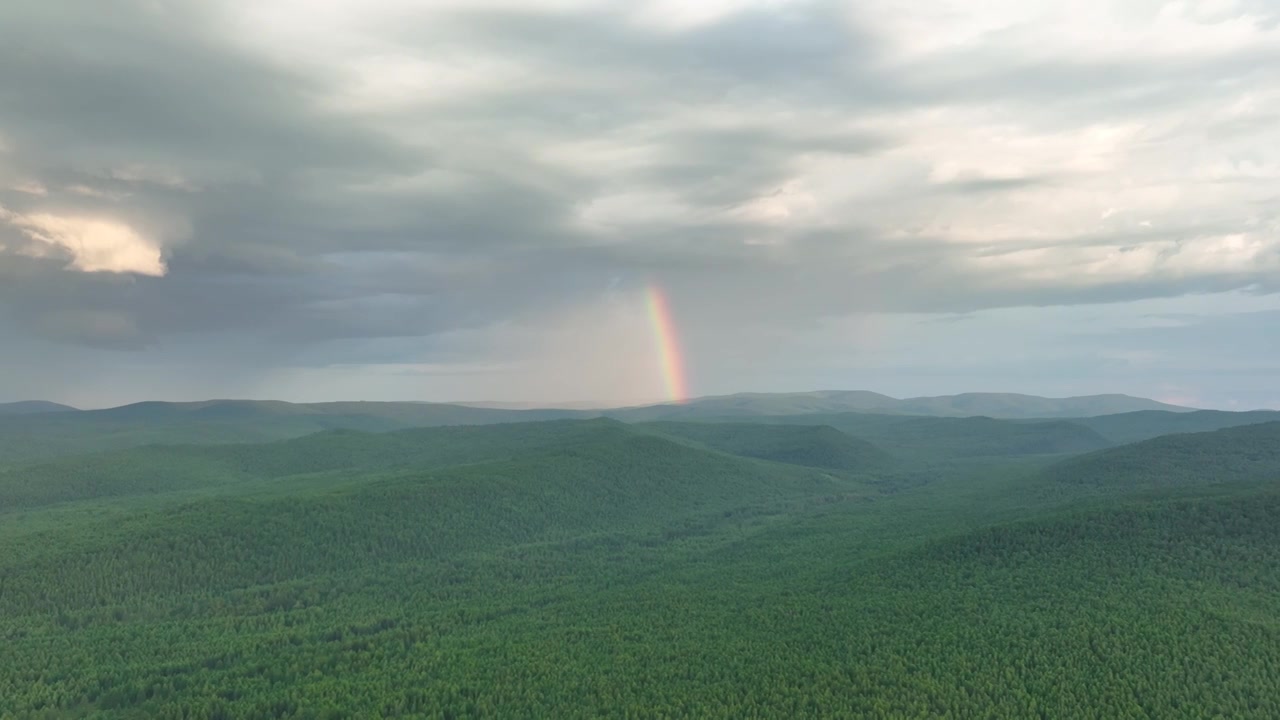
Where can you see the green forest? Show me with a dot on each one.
(261, 561)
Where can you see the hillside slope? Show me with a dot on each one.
(1245, 454)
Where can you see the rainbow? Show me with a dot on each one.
(668, 344)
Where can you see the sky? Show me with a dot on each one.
(474, 199)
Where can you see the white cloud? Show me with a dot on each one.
(93, 244)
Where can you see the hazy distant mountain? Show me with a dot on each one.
(501, 405)
(30, 438)
(1012, 405)
(404, 414)
(997, 405)
(1147, 424)
(39, 434)
(32, 407)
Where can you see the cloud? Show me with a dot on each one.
(305, 179)
(94, 245)
(29, 187)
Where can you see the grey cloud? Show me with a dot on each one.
(728, 167)
(90, 87)
(311, 233)
(781, 54)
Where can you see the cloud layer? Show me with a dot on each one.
(466, 199)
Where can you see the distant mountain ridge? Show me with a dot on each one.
(40, 433)
(996, 405)
(33, 407)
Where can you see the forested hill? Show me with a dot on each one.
(1247, 453)
(819, 446)
(162, 469)
(599, 477)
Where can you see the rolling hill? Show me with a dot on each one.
(162, 469)
(236, 516)
(1244, 454)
